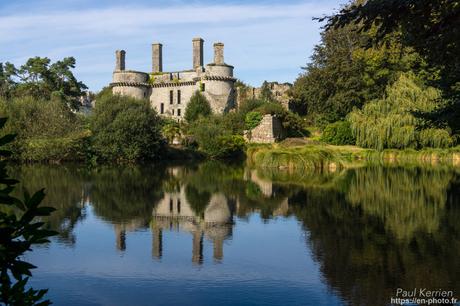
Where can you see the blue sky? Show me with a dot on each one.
(264, 40)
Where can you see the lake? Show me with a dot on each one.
(214, 233)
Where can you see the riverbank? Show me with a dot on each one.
(315, 155)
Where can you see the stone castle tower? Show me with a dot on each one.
(170, 92)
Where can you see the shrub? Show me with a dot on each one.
(294, 125)
(197, 107)
(70, 148)
(45, 130)
(252, 120)
(215, 139)
(230, 146)
(125, 129)
(338, 133)
(249, 105)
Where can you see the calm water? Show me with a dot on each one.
(216, 234)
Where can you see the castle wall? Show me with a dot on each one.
(130, 76)
(220, 94)
(161, 95)
(131, 91)
(219, 70)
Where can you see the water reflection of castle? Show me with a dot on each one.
(174, 212)
(203, 214)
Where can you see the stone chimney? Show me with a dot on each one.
(120, 60)
(197, 52)
(157, 57)
(218, 53)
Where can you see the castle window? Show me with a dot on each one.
(178, 206)
(145, 94)
(173, 111)
(178, 112)
(202, 88)
(170, 205)
(162, 108)
(170, 97)
(178, 97)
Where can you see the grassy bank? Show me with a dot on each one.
(328, 157)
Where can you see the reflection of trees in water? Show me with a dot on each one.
(123, 193)
(217, 177)
(407, 199)
(356, 244)
(65, 190)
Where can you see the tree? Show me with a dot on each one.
(431, 27)
(391, 122)
(20, 229)
(41, 79)
(343, 74)
(197, 107)
(125, 129)
(170, 130)
(45, 129)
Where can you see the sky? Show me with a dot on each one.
(264, 40)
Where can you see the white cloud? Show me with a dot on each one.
(257, 37)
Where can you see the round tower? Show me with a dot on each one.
(219, 82)
(127, 82)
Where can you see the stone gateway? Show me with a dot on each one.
(170, 92)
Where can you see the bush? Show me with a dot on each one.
(252, 120)
(249, 105)
(215, 139)
(71, 148)
(230, 146)
(338, 133)
(125, 129)
(46, 130)
(197, 107)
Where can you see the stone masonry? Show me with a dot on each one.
(269, 130)
(278, 90)
(170, 92)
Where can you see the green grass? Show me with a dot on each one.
(329, 157)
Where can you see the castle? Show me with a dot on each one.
(170, 92)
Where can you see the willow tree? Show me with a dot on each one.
(394, 121)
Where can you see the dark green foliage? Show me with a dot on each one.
(198, 200)
(213, 137)
(249, 105)
(197, 107)
(431, 27)
(41, 79)
(252, 120)
(45, 129)
(343, 74)
(125, 129)
(338, 133)
(19, 231)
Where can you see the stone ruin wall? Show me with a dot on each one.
(269, 130)
(279, 92)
